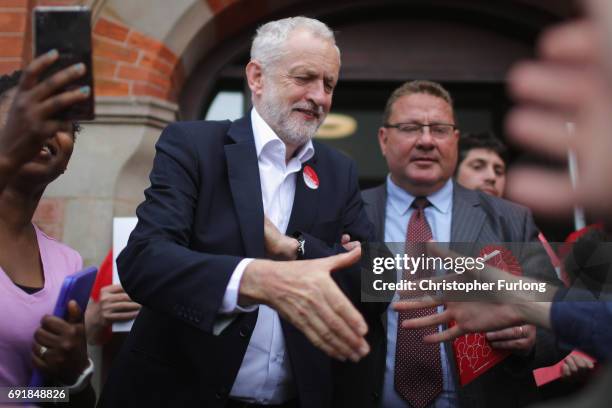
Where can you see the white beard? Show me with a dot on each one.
(288, 128)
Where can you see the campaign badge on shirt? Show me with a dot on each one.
(310, 177)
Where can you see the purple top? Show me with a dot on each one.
(20, 313)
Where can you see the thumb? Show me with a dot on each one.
(344, 260)
(74, 312)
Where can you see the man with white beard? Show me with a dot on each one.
(226, 320)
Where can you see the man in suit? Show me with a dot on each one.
(220, 325)
(419, 202)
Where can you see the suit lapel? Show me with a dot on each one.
(306, 200)
(380, 207)
(245, 185)
(468, 217)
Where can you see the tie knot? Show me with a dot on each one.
(420, 203)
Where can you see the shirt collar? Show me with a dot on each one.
(264, 136)
(401, 200)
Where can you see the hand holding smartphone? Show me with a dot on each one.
(67, 30)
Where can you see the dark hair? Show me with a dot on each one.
(416, 87)
(10, 81)
(481, 140)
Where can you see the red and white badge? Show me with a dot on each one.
(310, 177)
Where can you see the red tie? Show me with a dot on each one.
(418, 370)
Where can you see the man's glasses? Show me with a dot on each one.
(414, 130)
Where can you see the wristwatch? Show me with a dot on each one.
(301, 249)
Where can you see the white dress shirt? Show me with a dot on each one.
(265, 374)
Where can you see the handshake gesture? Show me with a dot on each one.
(304, 293)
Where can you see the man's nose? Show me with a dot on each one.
(317, 94)
(425, 138)
(490, 175)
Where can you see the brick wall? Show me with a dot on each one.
(126, 62)
(13, 23)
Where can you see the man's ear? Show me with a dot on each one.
(382, 140)
(254, 74)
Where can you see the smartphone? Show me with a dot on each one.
(68, 30)
(78, 287)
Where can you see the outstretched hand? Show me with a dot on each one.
(304, 293)
(490, 311)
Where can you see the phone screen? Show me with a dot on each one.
(68, 30)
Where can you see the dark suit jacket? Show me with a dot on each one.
(476, 217)
(202, 214)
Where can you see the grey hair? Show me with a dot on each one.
(269, 40)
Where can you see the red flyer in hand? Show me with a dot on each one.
(473, 353)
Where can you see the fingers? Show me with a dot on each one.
(340, 261)
(571, 364)
(335, 334)
(122, 316)
(426, 321)
(544, 191)
(54, 324)
(309, 330)
(511, 333)
(326, 329)
(60, 102)
(57, 81)
(121, 312)
(116, 288)
(29, 77)
(538, 82)
(583, 363)
(349, 246)
(124, 307)
(347, 312)
(115, 297)
(345, 239)
(416, 304)
(446, 335)
(540, 130)
(45, 338)
(579, 362)
(565, 370)
(74, 312)
(601, 12)
(39, 363)
(570, 42)
(116, 305)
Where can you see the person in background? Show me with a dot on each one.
(482, 163)
(419, 202)
(34, 151)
